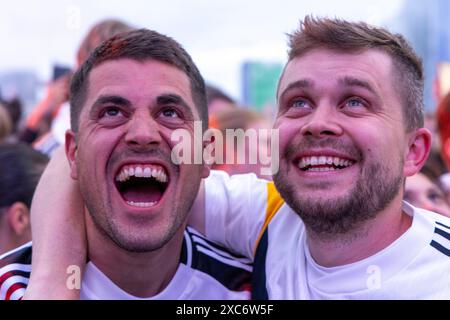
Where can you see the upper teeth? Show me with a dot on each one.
(142, 171)
(323, 160)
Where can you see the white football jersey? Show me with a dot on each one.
(247, 215)
(205, 272)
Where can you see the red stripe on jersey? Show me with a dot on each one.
(5, 276)
(11, 273)
(13, 288)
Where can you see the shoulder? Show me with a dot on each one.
(239, 183)
(440, 226)
(441, 236)
(15, 269)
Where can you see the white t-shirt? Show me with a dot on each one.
(206, 272)
(415, 266)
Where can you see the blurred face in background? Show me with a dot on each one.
(421, 192)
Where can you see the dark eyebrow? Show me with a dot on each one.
(106, 99)
(171, 98)
(304, 83)
(111, 99)
(354, 82)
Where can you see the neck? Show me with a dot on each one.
(139, 274)
(9, 240)
(362, 242)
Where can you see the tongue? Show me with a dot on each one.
(142, 192)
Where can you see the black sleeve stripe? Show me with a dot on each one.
(184, 250)
(440, 248)
(194, 248)
(199, 240)
(197, 235)
(229, 272)
(224, 260)
(443, 225)
(15, 267)
(442, 233)
(233, 278)
(20, 255)
(259, 290)
(224, 253)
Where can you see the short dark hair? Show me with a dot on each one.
(213, 93)
(341, 35)
(20, 169)
(139, 45)
(14, 108)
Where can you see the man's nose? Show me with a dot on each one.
(142, 132)
(322, 122)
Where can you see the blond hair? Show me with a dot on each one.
(353, 37)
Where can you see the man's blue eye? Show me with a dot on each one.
(299, 104)
(354, 103)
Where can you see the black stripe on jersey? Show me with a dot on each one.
(222, 254)
(22, 256)
(443, 225)
(440, 248)
(442, 233)
(5, 276)
(183, 255)
(231, 277)
(212, 244)
(259, 290)
(216, 249)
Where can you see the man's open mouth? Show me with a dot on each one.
(142, 185)
(323, 163)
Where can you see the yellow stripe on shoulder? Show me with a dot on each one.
(274, 203)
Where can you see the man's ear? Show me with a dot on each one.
(19, 218)
(71, 153)
(419, 145)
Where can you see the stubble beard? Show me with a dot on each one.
(338, 217)
(135, 238)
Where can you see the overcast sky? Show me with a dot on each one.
(219, 34)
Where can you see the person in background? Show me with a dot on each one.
(20, 169)
(49, 120)
(5, 123)
(218, 100)
(422, 192)
(443, 124)
(233, 119)
(14, 107)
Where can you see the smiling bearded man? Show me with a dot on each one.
(330, 216)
